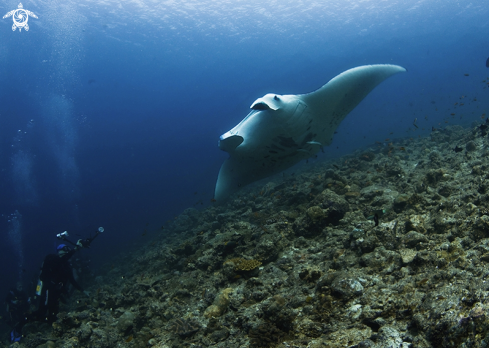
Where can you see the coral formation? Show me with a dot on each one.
(241, 264)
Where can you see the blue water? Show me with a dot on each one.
(110, 111)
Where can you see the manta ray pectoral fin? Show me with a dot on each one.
(343, 93)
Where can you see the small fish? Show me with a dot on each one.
(213, 200)
(414, 123)
(466, 74)
(487, 63)
(423, 281)
(433, 129)
(402, 148)
(376, 219)
(458, 149)
(129, 339)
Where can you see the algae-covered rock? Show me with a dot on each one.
(407, 255)
(470, 146)
(125, 321)
(220, 304)
(400, 203)
(382, 260)
(335, 207)
(413, 239)
(346, 287)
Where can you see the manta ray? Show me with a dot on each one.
(282, 130)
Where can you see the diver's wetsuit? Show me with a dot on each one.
(55, 274)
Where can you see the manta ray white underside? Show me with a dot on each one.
(282, 130)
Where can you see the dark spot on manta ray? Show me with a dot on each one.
(276, 98)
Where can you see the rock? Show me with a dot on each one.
(344, 338)
(390, 338)
(125, 321)
(370, 192)
(470, 146)
(413, 239)
(220, 335)
(220, 304)
(85, 332)
(485, 257)
(355, 311)
(335, 207)
(382, 259)
(346, 287)
(400, 203)
(407, 255)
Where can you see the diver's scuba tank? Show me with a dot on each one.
(39, 288)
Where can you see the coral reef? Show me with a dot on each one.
(386, 247)
(242, 264)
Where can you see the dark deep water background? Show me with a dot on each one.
(110, 111)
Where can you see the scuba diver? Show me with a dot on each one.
(18, 305)
(56, 274)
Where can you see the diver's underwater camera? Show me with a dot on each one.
(65, 234)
